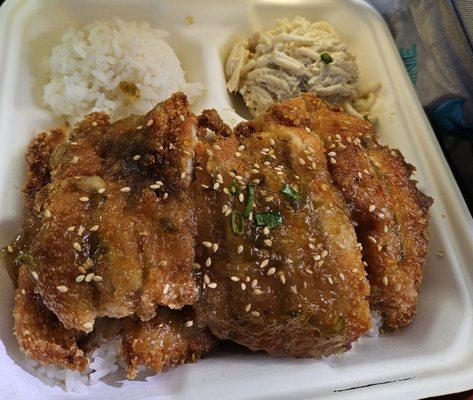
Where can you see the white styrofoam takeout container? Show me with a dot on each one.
(432, 356)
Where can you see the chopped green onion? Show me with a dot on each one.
(250, 201)
(289, 192)
(271, 219)
(326, 58)
(237, 223)
(234, 187)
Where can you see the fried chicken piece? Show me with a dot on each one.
(39, 333)
(281, 270)
(38, 176)
(169, 339)
(390, 213)
(116, 221)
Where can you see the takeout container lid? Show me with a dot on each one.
(430, 357)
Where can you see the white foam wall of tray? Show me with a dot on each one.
(431, 356)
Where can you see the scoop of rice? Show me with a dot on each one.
(118, 67)
(296, 56)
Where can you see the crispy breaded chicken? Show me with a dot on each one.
(169, 339)
(39, 333)
(116, 222)
(390, 213)
(281, 270)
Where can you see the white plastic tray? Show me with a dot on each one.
(432, 356)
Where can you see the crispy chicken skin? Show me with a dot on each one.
(39, 333)
(390, 213)
(169, 339)
(111, 217)
(298, 289)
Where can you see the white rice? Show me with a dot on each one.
(103, 361)
(86, 69)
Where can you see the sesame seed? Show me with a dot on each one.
(257, 181)
(240, 249)
(372, 239)
(88, 325)
(196, 266)
(214, 247)
(264, 263)
(10, 249)
(235, 278)
(80, 278)
(307, 129)
(266, 230)
(188, 324)
(354, 223)
(206, 279)
(237, 154)
(207, 244)
(301, 161)
(381, 216)
(226, 191)
(372, 208)
(342, 246)
(243, 286)
(165, 195)
(441, 253)
(183, 175)
(331, 154)
(385, 280)
(166, 288)
(125, 189)
(241, 197)
(94, 123)
(216, 147)
(35, 275)
(242, 147)
(330, 280)
(182, 118)
(271, 271)
(385, 228)
(216, 186)
(139, 127)
(204, 186)
(248, 307)
(224, 208)
(154, 186)
(75, 160)
(255, 313)
(212, 285)
(84, 199)
(77, 246)
(97, 278)
(342, 277)
(333, 161)
(163, 263)
(266, 163)
(62, 289)
(293, 289)
(324, 253)
(101, 190)
(81, 230)
(150, 122)
(208, 262)
(89, 277)
(311, 246)
(71, 228)
(268, 242)
(210, 153)
(228, 212)
(257, 291)
(282, 278)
